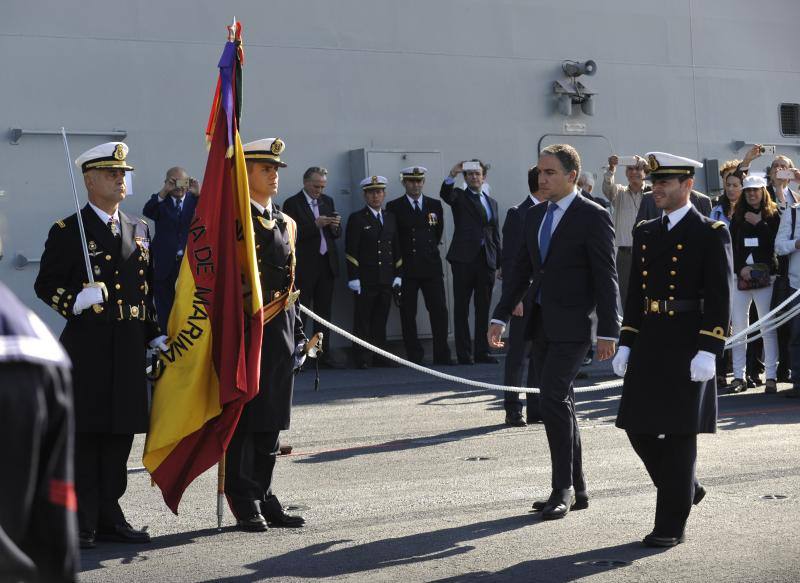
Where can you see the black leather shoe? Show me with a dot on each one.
(581, 502)
(657, 540)
(276, 517)
(444, 362)
(515, 420)
(534, 419)
(252, 523)
(486, 359)
(558, 504)
(699, 494)
(86, 539)
(362, 366)
(123, 533)
(465, 361)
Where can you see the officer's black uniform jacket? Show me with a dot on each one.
(270, 410)
(107, 349)
(692, 261)
(373, 250)
(420, 235)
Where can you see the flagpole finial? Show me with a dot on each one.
(232, 31)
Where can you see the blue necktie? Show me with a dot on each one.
(547, 231)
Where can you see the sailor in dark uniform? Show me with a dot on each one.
(250, 459)
(675, 325)
(109, 327)
(373, 268)
(38, 523)
(420, 224)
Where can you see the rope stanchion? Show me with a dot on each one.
(771, 320)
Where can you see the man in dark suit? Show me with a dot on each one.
(251, 455)
(318, 227)
(172, 209)
(109, 325)
(420, 224)
(519, 344)
(473, 255)
(373, 269)
(648, 209)
(674, 328)
(567, 267)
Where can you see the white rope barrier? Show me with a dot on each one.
(770, 321)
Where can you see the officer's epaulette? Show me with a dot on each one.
(61, 224)
(640, 223)
(717, 224)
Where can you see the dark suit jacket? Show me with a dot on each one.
(512, 234)
(577, 276)
(648, 209)
(308, 235)
(171, 233)
(420, 235)
(471, 228)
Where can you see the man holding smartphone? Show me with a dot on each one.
(318, 227)
(172, 211)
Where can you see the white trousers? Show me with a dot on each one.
(740, 311)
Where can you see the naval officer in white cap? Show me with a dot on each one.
(108, 327)
(674, 327)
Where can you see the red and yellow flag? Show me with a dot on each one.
(212, 367)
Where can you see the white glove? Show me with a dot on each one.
(397, 282)
(620, 362)
(159, 342)
(703, 366)
(355, 285)
(87, 297)
(299, 355)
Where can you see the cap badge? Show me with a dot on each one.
(374, 180)
(653, 163)
(277, 146)
(92, 246)
(119, 152)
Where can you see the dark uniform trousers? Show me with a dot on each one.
(670, 461)
(107, 349)
(250, 458)
(315, 281)
(520, 349)
(556, 365)
(433, 294)
(371, 311)
(472, 278)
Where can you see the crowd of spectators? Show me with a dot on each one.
(758, 207)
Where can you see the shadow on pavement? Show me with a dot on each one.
(564, 568)
(397, 445)
(325, 560)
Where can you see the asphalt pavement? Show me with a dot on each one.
(403, 477)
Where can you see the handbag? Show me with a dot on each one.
(759, 277)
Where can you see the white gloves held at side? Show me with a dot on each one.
(87, 297)
(702, 368)
(159, 342)
(355, 285)
(397, 282)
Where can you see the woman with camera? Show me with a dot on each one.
(753, 227)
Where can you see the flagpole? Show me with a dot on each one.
(220, 491)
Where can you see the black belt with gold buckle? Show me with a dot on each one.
(671, 307)
(131, 312)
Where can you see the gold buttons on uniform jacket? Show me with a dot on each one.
(672, 286)
(679, 247)
(671, 298)
(644, 286)
(119, 302)
(108, 257)
(671, 313)
(141, 272)
(673, 272)
(117, 286)
(674, 259)
(644, 247)
(644, 273)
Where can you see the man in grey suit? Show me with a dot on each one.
(566, 266)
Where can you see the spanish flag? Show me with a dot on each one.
(212, 366)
